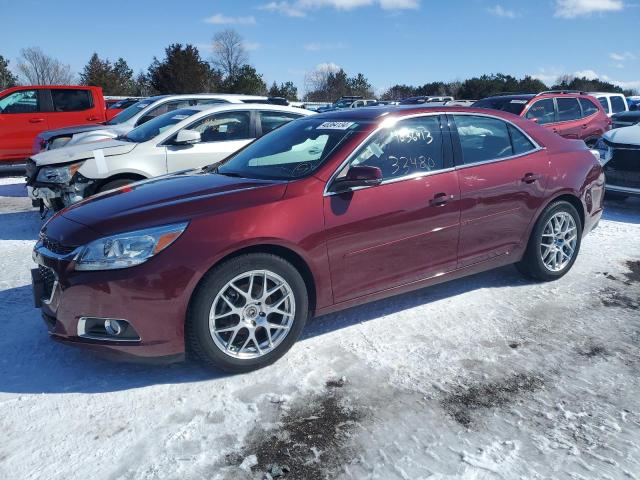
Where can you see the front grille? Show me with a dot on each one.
(31, 171)
(48, 279)
(56, 247)
(623, 169)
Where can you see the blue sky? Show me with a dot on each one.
(390, 41)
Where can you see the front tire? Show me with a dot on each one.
(247, 313)
(554, 243)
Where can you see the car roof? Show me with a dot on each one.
(214, 107)
(607, 94)
(375, 113)
(230, 97)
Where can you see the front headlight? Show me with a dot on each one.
(127, 249)
(62, 174)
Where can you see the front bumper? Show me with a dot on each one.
(152, 297)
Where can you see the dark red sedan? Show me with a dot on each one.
(324, 213)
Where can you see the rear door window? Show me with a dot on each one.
(23, 101)
(588, 107)
(605, 104)
(71, 100)
(543, 111)
(272, 120)
(483, 138)
(617, 104)
(568, 109)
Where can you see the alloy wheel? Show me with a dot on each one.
(559, 240)
(252, 314)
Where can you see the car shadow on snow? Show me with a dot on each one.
(30, 362)
(13, 190)
(622, 212)
(20, 225)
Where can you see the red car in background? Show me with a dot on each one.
(115, 106)
(575, 115)
(26, 111)
(324, 213)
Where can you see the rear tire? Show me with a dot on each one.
(556, 235)
(234, 323)
(120, 182)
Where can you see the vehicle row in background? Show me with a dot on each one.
(574, 115)
(189, 137)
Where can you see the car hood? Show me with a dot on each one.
(170, 199)
(627, 116)
(624, 136)
(70, 130)
(83, 151)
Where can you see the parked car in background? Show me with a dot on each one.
(625, 119)
(134, 116)
(324, 213)
(574, 115)
(634, 103)
(117, 106)
(612, 103)
(186, 138)
(26, 111)
(620, 152)
(344, 102)
(419, 100)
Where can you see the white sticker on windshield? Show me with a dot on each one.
(101, 165)
(335, 126)
(179, 117)
(519, 101)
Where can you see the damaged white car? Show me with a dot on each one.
(183, 139)
(620, 153)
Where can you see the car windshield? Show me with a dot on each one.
(155, 127)
(294, 150)
(129, 112)
(505, 104)
(343, 103)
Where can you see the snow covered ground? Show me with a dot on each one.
(485, 377)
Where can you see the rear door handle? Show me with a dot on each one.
(440, 199)
(530, 178)
(36, 120)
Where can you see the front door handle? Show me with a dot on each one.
(92, 119)
(439, 199)
(36, 120)
(530, 178)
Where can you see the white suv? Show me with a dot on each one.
(611, 102)
(190, 137)
(133, 117)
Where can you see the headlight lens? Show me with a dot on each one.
(127, 249)
(62, 174)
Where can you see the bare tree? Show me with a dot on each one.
(229, 52)
(39, 68)
(317, 80)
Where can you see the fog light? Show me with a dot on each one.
(113, 327)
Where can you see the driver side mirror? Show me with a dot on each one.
(358, 176)
(187, 137)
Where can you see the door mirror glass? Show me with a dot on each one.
(187, 137)
(358, 176)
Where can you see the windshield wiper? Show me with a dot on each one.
(216, 170)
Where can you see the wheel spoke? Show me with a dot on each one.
(252, 315)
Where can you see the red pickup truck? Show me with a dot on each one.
(28, 110)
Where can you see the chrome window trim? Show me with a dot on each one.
(327, 193)
(537, 146)
(614, 188)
